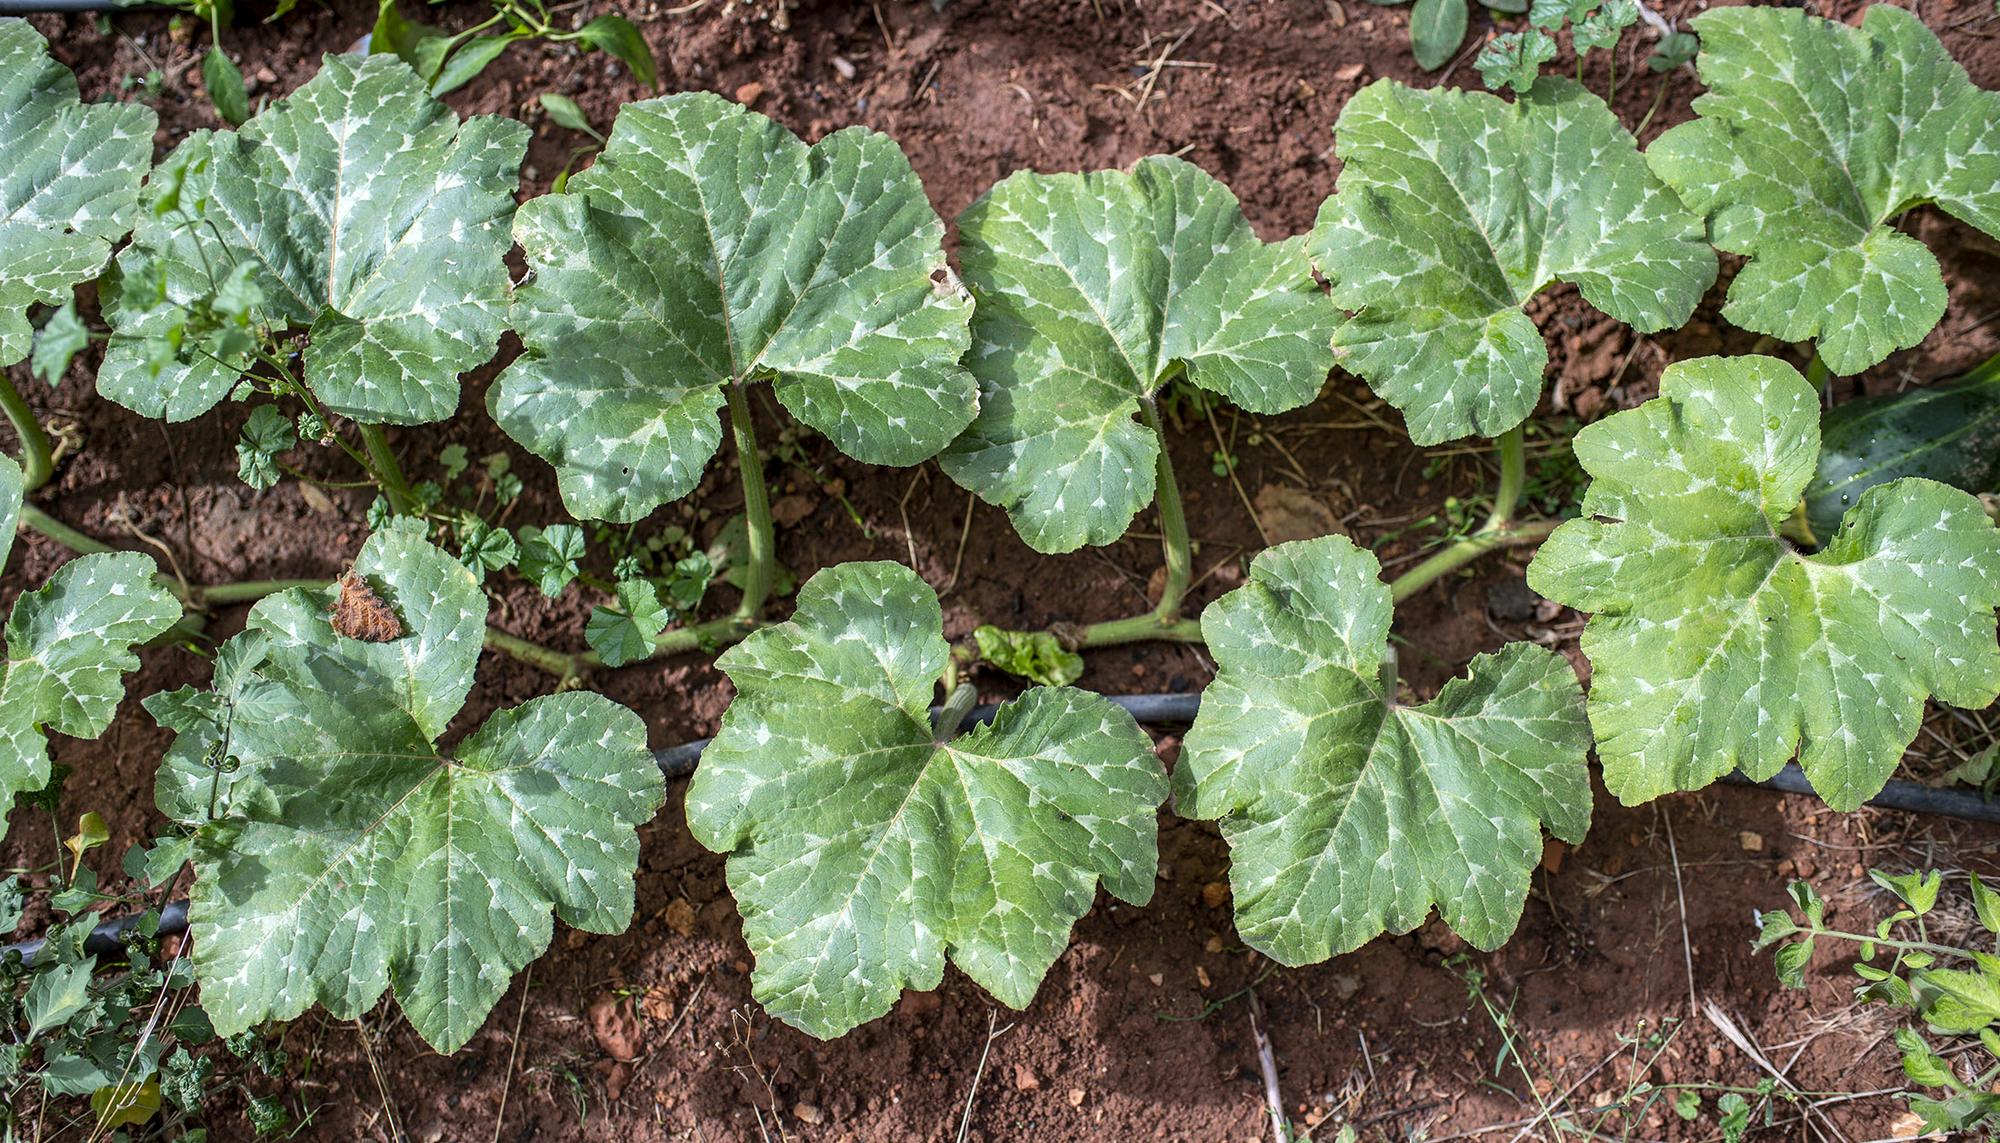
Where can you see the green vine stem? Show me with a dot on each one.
(1138, 629)
(1499, 531)
(1164, 622)
(702, 636)
(567, 668)
(37, 459)
(756, 509)
(36, 520)
(386, 471)
(1817, 373)
(1173, 525)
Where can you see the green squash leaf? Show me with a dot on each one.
(864, 851)
(1347, 814)
(1094, 291)
(1455, 208)
(1813, 137)
(69, 181)
(13, 489)
(353, 855)
(1947, 432)
(1715, 644)
(358, 210)
(68, 646)
(708, 246)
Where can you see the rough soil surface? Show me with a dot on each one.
(1143, 1029)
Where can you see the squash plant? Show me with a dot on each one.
(1347, 812)
(1454, 208)
(66, 649)
(1094, 292)
(1813, 140)
(1716, 643)
(345, 252)
(434, 871)
(357, 218)
(69, 188)
(868, 840)
(708, 249)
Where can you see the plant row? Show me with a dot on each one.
(339, 262)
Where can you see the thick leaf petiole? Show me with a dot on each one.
(1499, 531)
(1173, 525)
(756, 509)
(382, 465)
(947, 718)
(37, 459)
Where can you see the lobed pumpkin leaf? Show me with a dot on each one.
(68, 646)
(864, 849)
(708, 246)
(1717, 645)
(1348, 814)
(1813, 137)
(1454, 208)
(357, 210)
(1094, 291)
(349, 854)
(69, 180)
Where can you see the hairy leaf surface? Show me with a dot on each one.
(863, 851)
(1715, 644)
(358, 210)
(1347, 814)
(1094, 290)
(1812, 138)
(350, 853)
(709, 246)
(1455, 208)
(69, 180)
(68, 647)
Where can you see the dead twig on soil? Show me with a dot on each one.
(965, 1119)
(381, 1081)
(1680, 895)
(1267, 1062)
(513, 1052)
(1229, 465)
(1731, 1031)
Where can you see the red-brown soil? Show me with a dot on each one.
(1142, 1030)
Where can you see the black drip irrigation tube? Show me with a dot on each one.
(59, 7)
(1154, 710)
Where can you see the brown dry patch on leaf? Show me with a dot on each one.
(359, 613)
